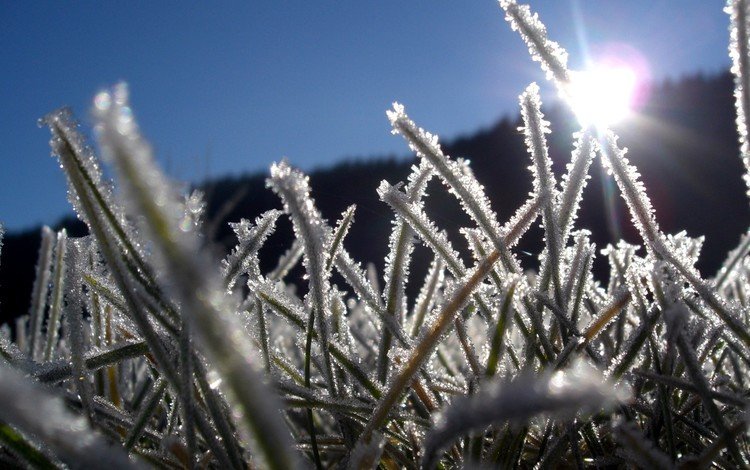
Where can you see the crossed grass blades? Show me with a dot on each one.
(139, 349)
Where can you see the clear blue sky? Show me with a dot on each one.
(221, 88)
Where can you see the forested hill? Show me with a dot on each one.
(684, 144)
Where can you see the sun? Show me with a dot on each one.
(602, 95)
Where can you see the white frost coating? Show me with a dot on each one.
(580, 389)
(414, 214)
(574, 182)
(187, 273)
(287, 261)
(632, 190)
(244, 257)
(39, 290)
(74, 323)
(460, 183)
(65, 137)
(552, 57)
(41, 414)
(398, 259)
(292, 186)
(739, 32)
(731, 267)
(339, 233)
(535, 128)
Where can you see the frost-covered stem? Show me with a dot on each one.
(552, 57)
(287, 261)
(534, 128)
(597, 325)
(337, 352)
(468, 349)
(37, 412)
(733, 260)
(738, 51)
(66, 153)
(263, 334)
(218, 411)
(427, 294)
(58, 288)
(729, 316)
(250, 241)
(704, 391)
(39, 291)
(147, 408)
(74, 329)
(310, 420)
(466, 188)
(633, 192)
(61, 370)
(397, 264)
(293, 188)
(199, 294)
(342, 228)
(574, 182)
(85, 181)
(426, 345)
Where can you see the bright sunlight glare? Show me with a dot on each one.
(602, 95)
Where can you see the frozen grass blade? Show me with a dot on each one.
(426, 344)
(201, 298)
(397, 264)
(39, 290)
(565, 393)
(552, 57)
(56, 301)
(243, 258)
(739, 32)
(461, 183)
(293, 189)
(37, 412)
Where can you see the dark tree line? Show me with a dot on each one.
(684, 144)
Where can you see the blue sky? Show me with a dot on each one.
(228, 87)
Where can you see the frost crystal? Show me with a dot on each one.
(549, 54)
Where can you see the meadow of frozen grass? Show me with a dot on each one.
(141, 349)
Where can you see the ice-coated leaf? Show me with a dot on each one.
(427, 342)
(552, 57)
(74, 322)
(428, 294)
(535, 128)
(413, 214)
(243, 258)
(56, 299)
(42, 414)
(574, 181)
(292, 186)
(339, 233)
(39, 290)
(739, 52)
(632, 190)
(398, 260)
(564, 394)
(287, 261)
(187, 273)
(462, 184)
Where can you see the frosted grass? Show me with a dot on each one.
(141, 349)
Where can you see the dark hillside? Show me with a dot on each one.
(684, 144)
